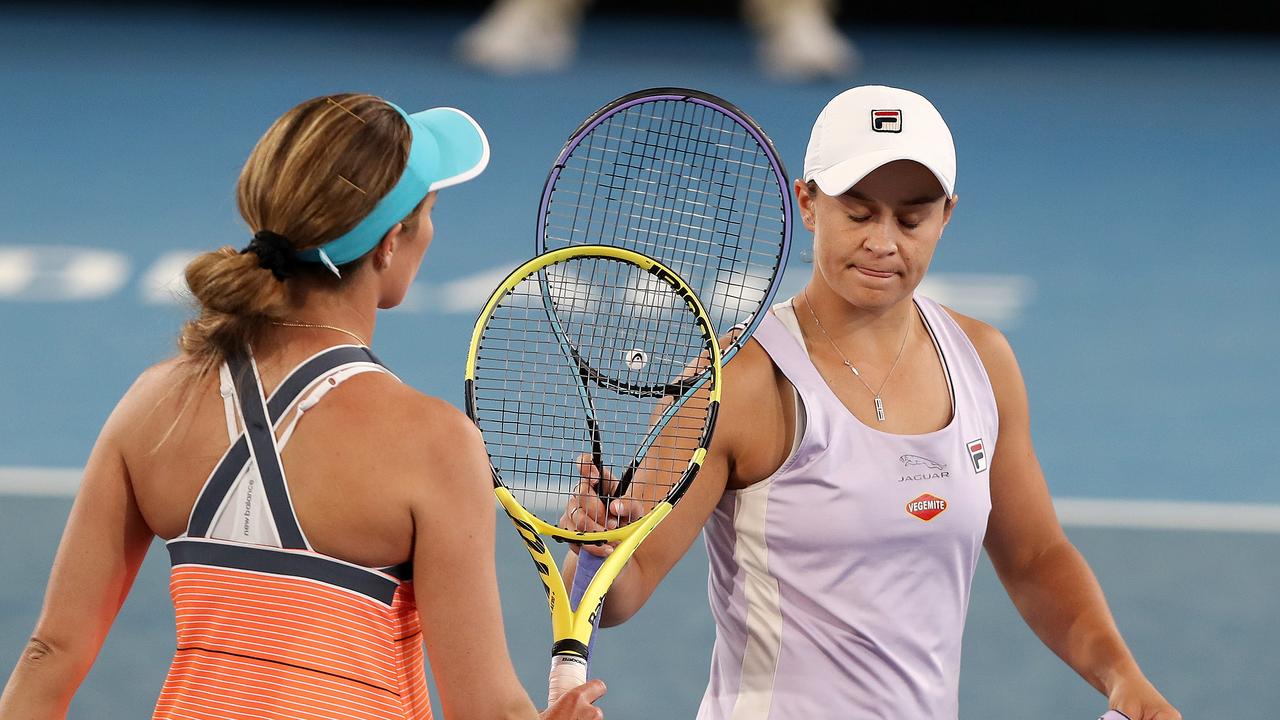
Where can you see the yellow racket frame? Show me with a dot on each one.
(571, 628)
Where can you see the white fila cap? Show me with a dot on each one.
(868, 126)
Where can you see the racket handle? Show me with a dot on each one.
(567, 673)
(1114, 715)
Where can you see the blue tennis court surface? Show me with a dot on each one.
(1114, 219)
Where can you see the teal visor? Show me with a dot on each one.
(447, 148)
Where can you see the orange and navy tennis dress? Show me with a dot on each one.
(268, 627)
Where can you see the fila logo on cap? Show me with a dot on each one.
(886, 120)
(977, 454)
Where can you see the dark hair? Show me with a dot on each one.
(812, 188)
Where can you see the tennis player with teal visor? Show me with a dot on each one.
(448, 148)
(330, 528)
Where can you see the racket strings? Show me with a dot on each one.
(629, 335)
(685, 182)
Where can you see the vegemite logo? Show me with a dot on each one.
(977, 454)
(927, 507)
(886, 121)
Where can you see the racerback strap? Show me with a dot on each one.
(257, 444)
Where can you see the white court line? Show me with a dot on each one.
(39, 481)
(996, 299)
(1073, 512)
(1169, 515)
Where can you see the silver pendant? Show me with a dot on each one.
(879, 409)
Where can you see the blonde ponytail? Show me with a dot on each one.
(237, 299)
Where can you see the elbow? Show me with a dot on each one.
(614, 619)
(42, 682)
(619, 608)
(40, 654)
(46, 656)
(1026, 562)
(37, 653)
(631, 590)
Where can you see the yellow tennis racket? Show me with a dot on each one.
(601, 352)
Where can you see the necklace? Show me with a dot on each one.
(875, 393)
(292, 323)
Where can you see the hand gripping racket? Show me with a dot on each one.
(687, 178)
(596, 349)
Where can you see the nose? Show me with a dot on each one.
(882, 238)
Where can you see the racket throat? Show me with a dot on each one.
(570, 650)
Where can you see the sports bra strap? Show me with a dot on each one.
(259, 444)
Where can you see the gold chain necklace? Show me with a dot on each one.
(293, 323)
(854, 370)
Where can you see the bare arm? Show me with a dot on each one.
(1046, 577)
(102, 548)
(664, 547)
(456, 585)
(749, 442)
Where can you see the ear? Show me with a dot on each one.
(947, 209)
(387, 247)
(804, 203)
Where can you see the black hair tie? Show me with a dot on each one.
(275, 253)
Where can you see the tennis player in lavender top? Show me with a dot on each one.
(871, 443)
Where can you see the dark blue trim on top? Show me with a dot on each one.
(219, 484)
(233, 462)
(262, 443)
(402, 572)
(286, 564)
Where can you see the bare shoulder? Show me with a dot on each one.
(156, 381)
(753, 433)
(992, 346)
(155, 388)
(750, 383)
(441, 453)
(749, 367)
(997, 357)
(419, 424)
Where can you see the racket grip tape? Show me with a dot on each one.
(1114, 715)
(567, 673)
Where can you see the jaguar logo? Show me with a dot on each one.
(909, 460)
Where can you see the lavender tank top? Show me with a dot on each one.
(839, 585)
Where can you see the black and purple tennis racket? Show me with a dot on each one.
(689, 179)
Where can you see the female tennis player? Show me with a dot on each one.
(870, 443)
(311, 598)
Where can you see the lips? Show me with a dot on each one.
(874, 273)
